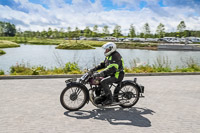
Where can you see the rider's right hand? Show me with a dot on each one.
(91, 71)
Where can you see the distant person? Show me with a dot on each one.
(113, 72)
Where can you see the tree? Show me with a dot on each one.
(62, 33)
(69, 33)
(1, 31)
(187, 33)
(7, 29)
(37, 34)
(55, 33)
(1, 28)
(10, 29)
(132, 31)
(44, 34)
(141, 35)
(181, 27)
(87, 32)
(76, 33)
(49, 32)
(117, 31)
(160, 30)
(105, 31)
(95, 31)
(147, 31)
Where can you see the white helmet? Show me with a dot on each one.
(109, 47)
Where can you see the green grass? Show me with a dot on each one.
(196, 42)
(93, 43)
(8, 44)
(39, 41)
(46, 41)
(73, 45)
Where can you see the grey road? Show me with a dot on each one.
(171, 105)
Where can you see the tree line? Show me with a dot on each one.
(8, 29)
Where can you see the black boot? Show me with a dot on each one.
(108, 100)
(99, 99)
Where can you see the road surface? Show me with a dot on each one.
(171, 105)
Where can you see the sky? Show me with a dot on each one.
(39, 15)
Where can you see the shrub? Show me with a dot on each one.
(20, 69)
(2, 52)
(2, 72)
(72, 68)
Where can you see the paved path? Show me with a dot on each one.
(171, 105)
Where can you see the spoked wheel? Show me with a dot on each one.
(73, 98)
(128, 95)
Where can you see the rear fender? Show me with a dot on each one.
(139, 87)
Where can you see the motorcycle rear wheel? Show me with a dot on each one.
(73, 97)
(128, 95)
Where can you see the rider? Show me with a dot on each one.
(113, 72)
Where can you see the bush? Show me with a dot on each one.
(2, 72)
(2, 52)
(20, 69)
(72, 68)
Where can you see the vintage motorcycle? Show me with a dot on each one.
(126, 93)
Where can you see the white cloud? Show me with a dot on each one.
(82, 13)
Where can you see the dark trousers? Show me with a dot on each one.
(105, 82)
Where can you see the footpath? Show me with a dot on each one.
(171, 105)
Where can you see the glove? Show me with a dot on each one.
(101, 74)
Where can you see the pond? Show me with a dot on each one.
(48, 56)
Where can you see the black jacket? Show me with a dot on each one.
(113, 65)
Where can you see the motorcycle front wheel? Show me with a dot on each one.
(73, 97)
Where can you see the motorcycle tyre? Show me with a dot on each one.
(84, 92)
(137, 90)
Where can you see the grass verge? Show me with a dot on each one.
(161, 65)
(73, 45)
(8, 44)
(26, 69)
